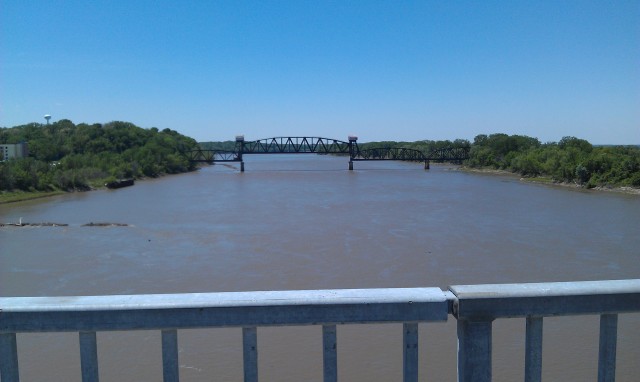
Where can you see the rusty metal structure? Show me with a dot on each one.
(390, 153)
(212, 156)
(320, 145)
(297, 145)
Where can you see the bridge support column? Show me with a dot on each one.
(240, 150)
(353, 150)
(426, 165)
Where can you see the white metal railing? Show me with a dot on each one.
(248, 310)
(474, 306)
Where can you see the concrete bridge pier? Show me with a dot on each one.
(240, 150)
(353, 149)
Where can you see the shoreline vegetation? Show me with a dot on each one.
(571, 162)
(550, 181)
(65, 157)
(21, 196)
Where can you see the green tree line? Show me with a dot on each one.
(65, 156)
(571, 159)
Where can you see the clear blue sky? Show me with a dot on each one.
(383, 70)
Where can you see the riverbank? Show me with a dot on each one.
(549, 181)
(20, 196)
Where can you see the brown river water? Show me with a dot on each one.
(306, 222)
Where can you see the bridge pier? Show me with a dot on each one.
(240, 150)
(426, 165)
(353, 150)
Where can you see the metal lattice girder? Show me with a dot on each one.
(319, 145)
(296, 145)
(389, 153)
(209, 156)
(453, 154)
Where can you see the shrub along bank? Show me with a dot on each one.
(571, 160)
(67, 157)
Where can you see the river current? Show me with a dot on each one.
(306, 222)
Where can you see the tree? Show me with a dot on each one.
(66, 156)
(570, 160)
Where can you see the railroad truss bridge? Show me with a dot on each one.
(318, 145)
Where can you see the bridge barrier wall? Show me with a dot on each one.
(474, 307)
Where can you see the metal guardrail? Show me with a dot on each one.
(474, 307)
(248, 310)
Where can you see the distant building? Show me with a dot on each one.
(9, 151)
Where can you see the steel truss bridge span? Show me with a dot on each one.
(298, 145)
(390, 153)
(320, 145)
(212, 156)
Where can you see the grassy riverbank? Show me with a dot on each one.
(19, 196)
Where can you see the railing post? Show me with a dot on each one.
(330, 353)
(474, 350)
(9, 358)
(607, 352)
(410, 350)
(89, 356)
(533, 350)
(170, 366)
(250, 354)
